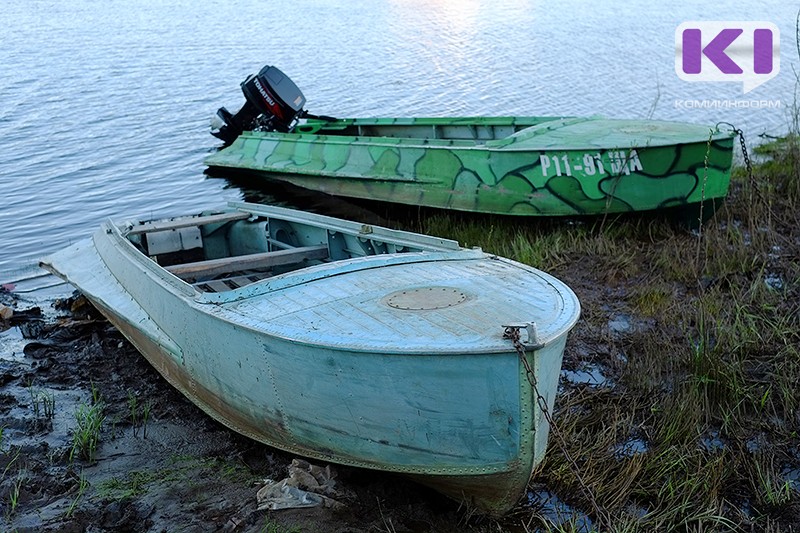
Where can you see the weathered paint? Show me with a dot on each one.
(424, 393)
(503, 165)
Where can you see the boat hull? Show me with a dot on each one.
(492, 493)
(564, 169)
(466, 424)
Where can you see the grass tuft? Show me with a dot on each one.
(86, 435)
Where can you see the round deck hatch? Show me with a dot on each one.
(425, 298)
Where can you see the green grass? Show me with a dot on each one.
(271, 526)
(42, 404)
(13, 497)
(180, 470)
(134, 483)
(83, 484)
(86, 435)
(139, 414)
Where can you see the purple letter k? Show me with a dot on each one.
(715, 51)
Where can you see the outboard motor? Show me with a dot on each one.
(272, 103)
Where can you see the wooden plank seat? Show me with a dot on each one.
(188, 222)
(227, 284)
(226, 265)
(216, 285)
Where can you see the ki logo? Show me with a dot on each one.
(746, 52)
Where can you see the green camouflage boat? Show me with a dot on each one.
(547, 166)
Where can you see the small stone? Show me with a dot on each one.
(6, 312)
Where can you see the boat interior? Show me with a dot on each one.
(478, 129)
(218, 252)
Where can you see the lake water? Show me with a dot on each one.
(105, 106)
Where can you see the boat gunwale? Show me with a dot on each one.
(356, 229)
(214, 303)
(504, 144)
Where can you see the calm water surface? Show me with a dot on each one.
(105, 106)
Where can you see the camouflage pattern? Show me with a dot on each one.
(503, 165)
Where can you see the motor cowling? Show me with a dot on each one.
(272, 103)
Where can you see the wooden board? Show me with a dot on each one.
(215, 267)
(188, 222)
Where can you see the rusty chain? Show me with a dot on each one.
(748, 165)
(751, 180)
(512, 333)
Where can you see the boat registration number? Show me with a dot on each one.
(615, 162)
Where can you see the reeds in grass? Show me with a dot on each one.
(89, 423)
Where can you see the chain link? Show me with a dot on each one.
(748, 165)
(512, 333)
(752, 180)
(738, 132)
(754, 188)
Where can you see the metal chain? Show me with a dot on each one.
(748, 165)
(737, 131)
(512, 333)
(754, 188)
(753, 183)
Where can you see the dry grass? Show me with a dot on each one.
(704, 382)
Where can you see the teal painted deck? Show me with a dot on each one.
(349, 311)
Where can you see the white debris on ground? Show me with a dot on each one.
(307, 486)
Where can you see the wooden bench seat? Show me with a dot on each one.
(188, 222)
(227, 284)
(226, 265)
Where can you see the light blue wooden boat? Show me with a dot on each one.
(339, 341)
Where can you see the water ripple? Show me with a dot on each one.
(106, 106)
